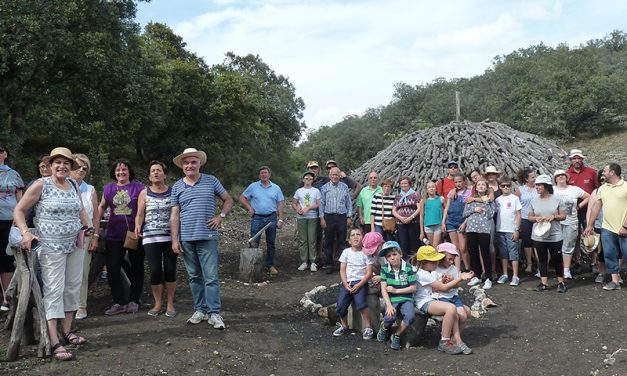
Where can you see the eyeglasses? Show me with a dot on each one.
(83, 168)
(505, 185)
(2, 150)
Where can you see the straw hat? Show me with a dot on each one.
(65, 153)
(591, 242)
(492, 170)
(190, 152)
(541, 229)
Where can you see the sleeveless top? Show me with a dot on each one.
(526, 196)
(157, 218)
(433, 211)
(86, 197)
(57, 217)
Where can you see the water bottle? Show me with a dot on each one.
(426, 241)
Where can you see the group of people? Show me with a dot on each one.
(59, 217)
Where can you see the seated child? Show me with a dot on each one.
(372, 243)
(398, 283)
(355, 271)
(427, 259)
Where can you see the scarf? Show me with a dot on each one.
(83, 187)
(409, 192)
(4, 168)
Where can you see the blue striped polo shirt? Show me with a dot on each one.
(197, 205)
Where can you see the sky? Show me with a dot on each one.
(344, 57)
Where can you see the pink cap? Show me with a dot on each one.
(448, 248)
(371, 243)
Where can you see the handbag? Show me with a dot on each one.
(131, 241)
(388, 224)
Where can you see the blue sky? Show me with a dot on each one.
(345, 56)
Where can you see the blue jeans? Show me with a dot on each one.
(612, 246)
(405, 309)
(257, 224)
(201, 262)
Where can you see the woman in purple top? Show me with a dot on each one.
(121, 197)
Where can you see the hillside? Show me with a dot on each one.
(603, 149)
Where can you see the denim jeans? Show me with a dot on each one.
(201, 262)
(613, 244)
(257, 224)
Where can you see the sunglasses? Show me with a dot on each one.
(83, 168)
(2, 150)
(453, 167)
(505, 185)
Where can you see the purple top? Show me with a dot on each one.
(122, 199)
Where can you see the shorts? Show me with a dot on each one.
(525, 233)
(345, 299)
(456, 300)
(452, 225)
(433, 229)
(569, 235)
(508, 249)
(425, 307)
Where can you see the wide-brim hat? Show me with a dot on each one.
(492, 170)
(390, 244)
(447, 248)
(544, 179)
(65, 153)
(428, 253)
(576, 153)
(560, 172)
(371, 243)
(190, 152)
(311, 164)
(541, 229)
(591, 242)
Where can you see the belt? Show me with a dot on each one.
(265, 215)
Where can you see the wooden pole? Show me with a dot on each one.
(457, 106)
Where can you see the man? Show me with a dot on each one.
(319, 180)
(194, 227)
(264, 201)
(335, 216)
(444, 185)
(612, 197)
(352, 184)
(364, 200)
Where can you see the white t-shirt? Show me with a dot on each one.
(439, 272)
(506, 209)
(423, 287)
(569, 197)
(356, 263)
(306, 197)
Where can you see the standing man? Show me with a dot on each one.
(264, 201)
(352, 184)
(444, 185)
(364, 200)
(612, 197)
(335, 217)
(194, 226)
(319, 180)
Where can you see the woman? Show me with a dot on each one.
(89, 198)
(43, 169)
(58, 223)
(121, 197)
(11, 186)
(479, 223)
(475, 174)
(381, 207)
(453, 218)
(406, 209)
(545, 213)
(153, 210)
(526, 193)
(569, 195)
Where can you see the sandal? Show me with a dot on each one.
(61, 355)
(74, 339)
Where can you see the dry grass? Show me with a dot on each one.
(600, 151)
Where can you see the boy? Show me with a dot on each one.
(508, 220)
(398, 284)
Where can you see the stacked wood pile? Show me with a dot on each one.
(423, 155)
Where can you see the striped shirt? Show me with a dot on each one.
(157, 219)
(197, 205)
(336, 199)
(378, 210)
(405, 277)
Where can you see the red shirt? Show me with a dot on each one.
(585, 179)
(444, 186)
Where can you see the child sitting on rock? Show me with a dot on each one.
(372, 243)
(355, 271)
(398, 283)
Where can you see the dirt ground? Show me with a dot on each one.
(267, 333)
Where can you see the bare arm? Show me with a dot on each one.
(141, 211)
(174, 229)
(28, 200)
(93, 245)
(246, 204)
(227, 205)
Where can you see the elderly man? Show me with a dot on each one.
(264, 201)
(335, 213)
(352, 184)
(364, 200)
(612, 197)
(194, 226)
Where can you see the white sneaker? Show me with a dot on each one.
(302, 266)
(313, 267)
(537, 274)
(474, 281)
(503, 279)
(567, 274)
(515, 281)
(197, 317)
(487, 284)
(216, 321)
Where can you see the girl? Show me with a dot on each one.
(305, 202)
(479, 214)
(431, 212)
(526, 193)
(453, 217)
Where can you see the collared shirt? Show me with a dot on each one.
(586, 178)
(614, 199)
(263, 199)
(336, 199)
(404, 277)
(364, 200)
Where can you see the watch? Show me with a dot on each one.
(222, 215)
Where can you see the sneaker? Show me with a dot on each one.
(340, 331)
(537, 275)
(600, 278)
(368, 333)
(273, 270)
(465, 349)
(197, 317)
(612, 286)
(395, 342)
(515, 281)
(474, 281)
(487, 284)
(313, 267)
(567, 274)
(541, 287)
(446, 346)
(104, 275)
(561, 287)
(81, 314)
(216, 321)
(115, 309)
(302, 266)
(503, 279)
(382, 334)
(132, 307)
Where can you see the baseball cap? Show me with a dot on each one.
(389, 245)
(311, 164)
(371, 242)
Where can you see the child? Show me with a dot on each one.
(427, 259)
(355, 271)
(479, 214)
(398, 283)
(431, 212)
(453, 217)
(508, 221)
(372, 243)
(305, 202)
